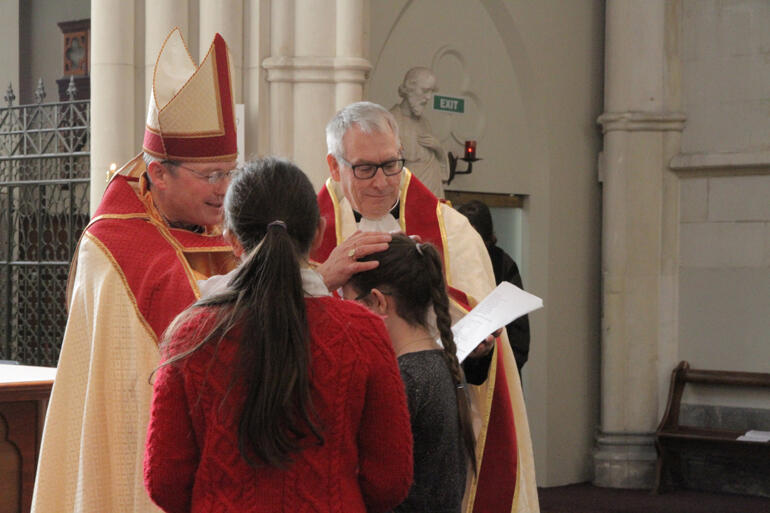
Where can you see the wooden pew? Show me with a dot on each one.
(672, 439)
(24, 393)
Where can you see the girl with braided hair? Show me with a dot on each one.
(407, 289)
(267, 400)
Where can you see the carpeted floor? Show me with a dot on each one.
(586, 498)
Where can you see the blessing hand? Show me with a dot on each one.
(343, 260)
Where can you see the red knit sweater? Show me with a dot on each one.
(192, 463)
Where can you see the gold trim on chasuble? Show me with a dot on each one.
(402, 200)
(337, 215)
(166, 234)
(488, 390)
(444, 243)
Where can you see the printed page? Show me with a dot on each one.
(502, 306)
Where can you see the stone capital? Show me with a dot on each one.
(316, 69)
(640, 121)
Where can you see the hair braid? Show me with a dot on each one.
(440, 302)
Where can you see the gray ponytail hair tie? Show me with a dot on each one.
(277, 222)
(419, 248)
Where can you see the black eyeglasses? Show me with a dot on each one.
(367, 171)
(213, 177)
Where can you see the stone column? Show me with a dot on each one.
(255, 91)
(316, 55)
(352, 69)
(278, 67)
(638, 120)
(113, 100)
(158, 22)
(225, 17)
(9, 53)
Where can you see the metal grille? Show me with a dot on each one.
(44, 193)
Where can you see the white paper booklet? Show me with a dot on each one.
(755, 436)
(503, 305)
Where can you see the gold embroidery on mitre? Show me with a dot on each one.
(196, 110)
(186, 101)
(173, 68)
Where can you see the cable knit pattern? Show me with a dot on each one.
(192, 461)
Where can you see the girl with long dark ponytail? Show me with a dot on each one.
(267, 400)
(406, 288)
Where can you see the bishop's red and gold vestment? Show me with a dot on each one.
(131, 275)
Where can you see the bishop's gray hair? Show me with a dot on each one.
(367, 116)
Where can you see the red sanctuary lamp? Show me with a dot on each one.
(470, 151)
(469, 156)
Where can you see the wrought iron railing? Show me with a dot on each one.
(44, 194)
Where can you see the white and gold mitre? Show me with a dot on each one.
(191, 117)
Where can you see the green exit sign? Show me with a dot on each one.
(448, 104)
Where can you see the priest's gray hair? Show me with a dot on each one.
(366, 116)
(148, 159)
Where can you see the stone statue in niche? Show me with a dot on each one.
(422, 150)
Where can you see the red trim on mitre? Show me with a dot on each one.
(194, 148)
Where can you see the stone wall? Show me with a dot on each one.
(725, 272)
(724, 165)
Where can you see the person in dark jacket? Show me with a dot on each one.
(505, 269)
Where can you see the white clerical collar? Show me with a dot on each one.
(386, 223)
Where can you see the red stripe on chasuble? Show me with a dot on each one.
(459, 296)
(496, 484)
(419, 214)
(497, 478)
